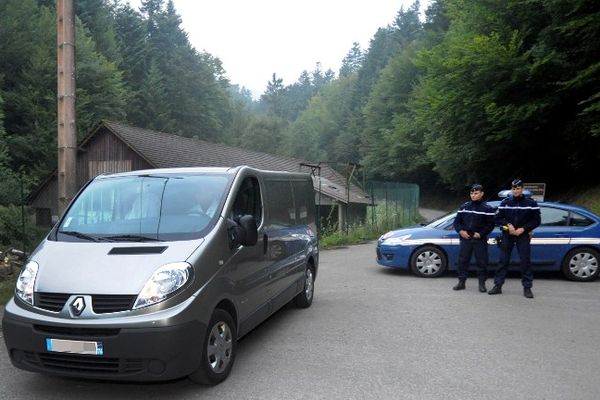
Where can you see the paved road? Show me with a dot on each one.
(374, 333)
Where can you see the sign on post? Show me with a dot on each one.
(538, 190)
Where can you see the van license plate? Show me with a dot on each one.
(74, 346)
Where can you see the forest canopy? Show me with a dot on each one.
(474, 90)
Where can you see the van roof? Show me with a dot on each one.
(207, 170)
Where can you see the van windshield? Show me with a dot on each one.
(145, 208)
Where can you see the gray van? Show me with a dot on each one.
(155, 274)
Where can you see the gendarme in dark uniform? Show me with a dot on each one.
(517, 217)
(474, 222)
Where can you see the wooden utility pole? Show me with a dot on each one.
(67, 134)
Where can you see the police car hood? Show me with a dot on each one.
(416, 232)
(104, 268)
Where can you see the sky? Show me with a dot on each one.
(256, 38)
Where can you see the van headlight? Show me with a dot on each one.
(26, 282)
(165, 281)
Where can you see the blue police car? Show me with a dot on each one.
(568, 240)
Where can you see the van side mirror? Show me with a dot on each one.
(242, 231)
(248, 224)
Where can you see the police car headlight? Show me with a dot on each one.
(164, 282)
(396, 240)
(26, 282)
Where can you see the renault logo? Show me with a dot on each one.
(77, 306)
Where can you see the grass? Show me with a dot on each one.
(588, 198)
(356, 234)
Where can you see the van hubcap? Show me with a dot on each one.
(219, 348)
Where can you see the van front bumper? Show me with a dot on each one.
(132, 354)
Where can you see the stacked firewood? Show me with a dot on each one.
(11, 263)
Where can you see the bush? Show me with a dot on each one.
(7, 289)
(11, 229)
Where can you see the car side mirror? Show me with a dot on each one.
(248, 225)
(242, 231)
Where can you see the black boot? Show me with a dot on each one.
(482, 287)
(527, 293)
(496, 290)
(460, 285)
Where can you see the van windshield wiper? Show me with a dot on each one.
(131, 238)
(80, 235)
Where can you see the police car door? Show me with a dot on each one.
(550, 241)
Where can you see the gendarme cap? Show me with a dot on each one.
(517, 183)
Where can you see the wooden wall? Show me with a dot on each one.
(105, 152)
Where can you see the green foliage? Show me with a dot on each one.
(356, 234)
(588, 197)
(379, 220)
(130, 66)
(11, 229)
(7, 289)
(263, 133)
(488, 84)
(28, 63)
(352, 61)
(480, 90)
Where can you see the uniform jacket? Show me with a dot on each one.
(521, 212)
(475, 216)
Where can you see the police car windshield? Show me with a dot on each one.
(140, 208)
(441, 221)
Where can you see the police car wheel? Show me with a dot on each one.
(428, 262)
(219, 350)
(581, 264)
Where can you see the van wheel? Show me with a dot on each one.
(305, 297)
(219, 350)
(581, 264)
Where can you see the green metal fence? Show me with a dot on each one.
(394, 204)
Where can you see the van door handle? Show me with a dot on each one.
(265, 243)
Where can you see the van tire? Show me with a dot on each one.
(305, 297)
(219, 350)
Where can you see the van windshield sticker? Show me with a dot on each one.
(68, 222)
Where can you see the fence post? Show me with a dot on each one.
(385, 186)
(372, 206)
(23, 232)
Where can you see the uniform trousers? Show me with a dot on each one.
(522, 242)
(467, 248)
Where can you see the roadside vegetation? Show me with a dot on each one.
(380, 219)
(7, 289)
(588, 198)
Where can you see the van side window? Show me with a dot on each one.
(281, 203)
(248, 200)
(304, 195)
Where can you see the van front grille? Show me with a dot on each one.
(101, 303)
(107, 303)
(51, 301)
